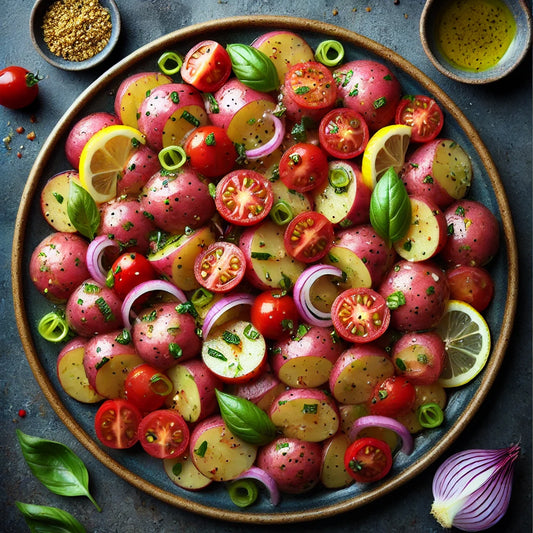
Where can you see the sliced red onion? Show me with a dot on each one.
(145, 287)
(302, 294)
(387, 423)
(472, 489)
(272, 144)
(95, 253)
(221, 307)
(260, 475)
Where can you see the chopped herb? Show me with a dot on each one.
(216, 354)
(190, 118)
(401, 364)
(200, 451)
(104, 308)
(230, 337)
(251, 333)
(175, 350)
(310, 409)
(395, 300)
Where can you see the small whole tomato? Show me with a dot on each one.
(128, 271)
(18, 87)
(274, 314)
(147, 387)
(394, 396)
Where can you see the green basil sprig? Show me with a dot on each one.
(253, 68)
(50, 519)
(56, 466)
(82, 211)
(245, 420)
(390, 208)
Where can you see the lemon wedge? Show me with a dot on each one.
(104, 158)
(467, 339)
(385, 149)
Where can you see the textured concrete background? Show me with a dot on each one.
(501, 112)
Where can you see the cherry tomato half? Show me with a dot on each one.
(210, 151)
(393, 396)
(116, 423)
(424, 116)
(18, 87)
(368, 459)
(360, 315)
(128, 271)
(303, 167)
(274, 314)
(147, 387)
(220, 267)
(308, 237)
(472, 285)
(164, 434)
(244, 197)
(206, 66)
(343, 133)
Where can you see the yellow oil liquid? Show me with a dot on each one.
(475, 34)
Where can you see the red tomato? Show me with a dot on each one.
(394, 396)
(472, 285)
(274, 314)
(311, 85)
(303, 167)
(147, 387)
(18, 87)
(343, 133)
(116, 423)
(207, 66)
(360, 315)
(220, 267)
(164, 434)
(308, 236)
(210, 151)
(368, 459)
(424, 116)
(128, 271)
(244, 197)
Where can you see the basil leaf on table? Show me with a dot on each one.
(41, 518)
(245, 420)
(390, 207)
(56, 466)
(82, 211)
(253, 68)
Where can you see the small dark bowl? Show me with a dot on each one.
(36, 31)
(514, 55)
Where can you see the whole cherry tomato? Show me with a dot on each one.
(393, 396)
(303, 167)
(274, 314)
(147, 387)
(18, 87)
(129, 270)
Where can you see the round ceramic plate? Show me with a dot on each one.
(145, 472)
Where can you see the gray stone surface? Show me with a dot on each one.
(501, 112)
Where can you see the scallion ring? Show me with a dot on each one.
(172, 157)
(281, 213)
(243, 492)
(430, 415)
(170, 63)
(201, 297)
(329, 53)
(338, 178)
(53, 327)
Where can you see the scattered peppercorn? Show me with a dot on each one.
(22, 413)
(76, 29)
(335, 12)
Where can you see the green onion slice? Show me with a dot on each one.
(430, 415)
(338, 178)
(281, 213)
(170, 63)
(243, 492)
(329, 53)
(53, 327)
(172, 157)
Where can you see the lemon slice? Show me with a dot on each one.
(104, 157)
(385, 149)
(467, 339)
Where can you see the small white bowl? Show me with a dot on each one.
(514, 55)
(36, 32)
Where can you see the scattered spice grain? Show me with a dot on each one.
(76, 29)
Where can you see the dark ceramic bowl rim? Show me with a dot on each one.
(486, 76)
(305, 511)
(36, 34)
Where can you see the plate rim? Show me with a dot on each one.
(265, 22)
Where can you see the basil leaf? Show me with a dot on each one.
(390, 207)
(82, 211)
(253, 68)
(245, 420)
(56, 466)
(41, 518)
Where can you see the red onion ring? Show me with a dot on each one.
(272, 144)
(260, 475)
(302, 298)
(387, 423)
(221, 307)
(143, 288)
(95, 253)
